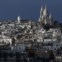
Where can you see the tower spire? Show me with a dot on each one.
(50, 19)
(41, 11)
(41, 8)
(19, 19)
(50, 16)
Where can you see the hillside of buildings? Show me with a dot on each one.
(41, 39)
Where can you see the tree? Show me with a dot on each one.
(51, 56)
(13, 41)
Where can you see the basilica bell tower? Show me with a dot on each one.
(45, 17)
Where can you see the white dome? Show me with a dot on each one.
(45, 12)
